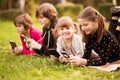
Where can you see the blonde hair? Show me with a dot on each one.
(46, 10)
(25, 20)
(65, 22)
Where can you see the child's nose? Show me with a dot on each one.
(16, 28)
(64, 30)
(83, 28)
(39, 20)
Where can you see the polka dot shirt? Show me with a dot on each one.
(108, 49)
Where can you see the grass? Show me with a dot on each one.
(22, 67)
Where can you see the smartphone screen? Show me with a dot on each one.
(13, 44)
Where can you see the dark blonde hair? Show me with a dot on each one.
(25, 20)
(65, 22)
(92, 14)
(46, 10)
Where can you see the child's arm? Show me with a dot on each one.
(36, 39)
(59, 45)
(25, 49)
(14, 48)
(105, 52)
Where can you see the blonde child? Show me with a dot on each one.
(69, 40)
(24, 26)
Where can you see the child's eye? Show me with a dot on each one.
(67, 28)
(41, 17)
(85, 24)
(19, 25)
(61, 29)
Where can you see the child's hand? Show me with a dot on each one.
(12, 50)
(53, 58)
(18, 49)
(63, 59)
(33, 44)
(27, 45)
(77, 61)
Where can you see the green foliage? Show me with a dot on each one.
(10, 14)
(29, 67)
(47, 1)
(30, 7)
(68, 10)
(3, 4)
(104, 9)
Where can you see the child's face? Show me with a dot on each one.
(89, 27)
(66, 32)
(45, 22)
(20, 29)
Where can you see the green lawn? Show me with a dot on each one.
(22, 67)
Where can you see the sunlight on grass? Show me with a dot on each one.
(22, 67)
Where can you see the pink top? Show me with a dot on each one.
(34, 34)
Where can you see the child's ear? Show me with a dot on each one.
(28, 29)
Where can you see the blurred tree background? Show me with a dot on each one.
(9, 9)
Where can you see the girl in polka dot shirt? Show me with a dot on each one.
(97, 39)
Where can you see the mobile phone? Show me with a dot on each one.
(65, 54)
(25, 38)
(13, 44)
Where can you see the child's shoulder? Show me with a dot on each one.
(35, 31)
(108, 35)
(59, 38)
(77, 36)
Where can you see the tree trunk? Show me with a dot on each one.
(63, 2)
(22, 4)
(10, 4)
(114, 2)
(104, 1)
